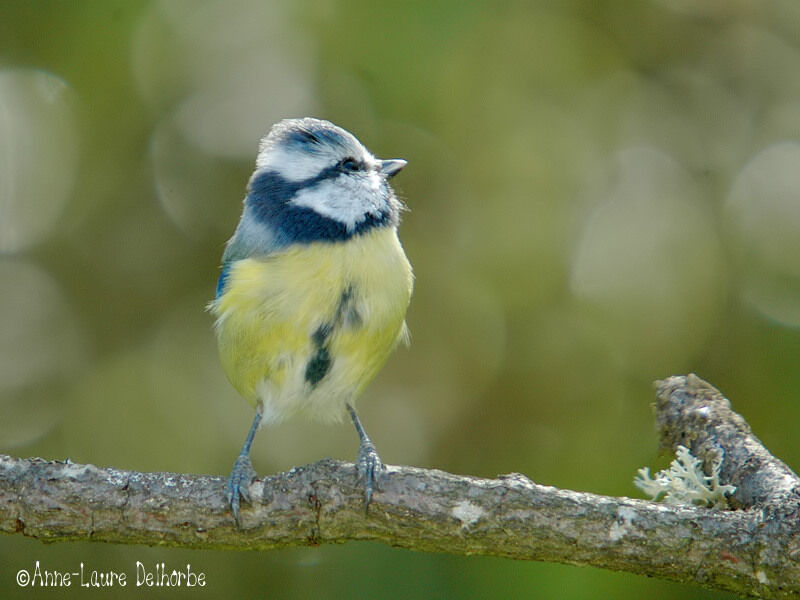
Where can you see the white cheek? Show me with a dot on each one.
(292, 166)
(346, 199)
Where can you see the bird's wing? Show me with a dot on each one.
(251, 238)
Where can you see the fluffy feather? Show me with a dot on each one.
(273, 306)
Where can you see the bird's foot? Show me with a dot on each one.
(238, 486)
(370, 468)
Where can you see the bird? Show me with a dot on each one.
(314, 286)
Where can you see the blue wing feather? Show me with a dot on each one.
(223, 279)
(251, 238)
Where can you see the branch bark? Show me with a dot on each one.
(754, 550)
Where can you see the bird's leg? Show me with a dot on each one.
(368, 462)
(243, 472)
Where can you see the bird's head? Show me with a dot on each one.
(316, 181)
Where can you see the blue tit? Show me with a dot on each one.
(314, 286)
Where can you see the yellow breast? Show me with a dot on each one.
(308, 327)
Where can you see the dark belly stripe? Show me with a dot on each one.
(321, 361)
(318, 366)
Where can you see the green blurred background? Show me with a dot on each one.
(600, 193)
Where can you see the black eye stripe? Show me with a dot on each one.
(350, 164)
(285, 189)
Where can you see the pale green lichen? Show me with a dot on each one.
(685, 482)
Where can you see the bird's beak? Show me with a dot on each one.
(392, 167)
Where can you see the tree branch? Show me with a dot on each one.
(754, 550)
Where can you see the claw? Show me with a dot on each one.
(370, 468)
(238, 485)
(368, 463)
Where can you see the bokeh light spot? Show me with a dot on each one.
(763, 215)
(38, 155)
(232, 69)
(40, 337)
(648, 260)
(40, 345)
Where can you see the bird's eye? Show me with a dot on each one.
(350, 164)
